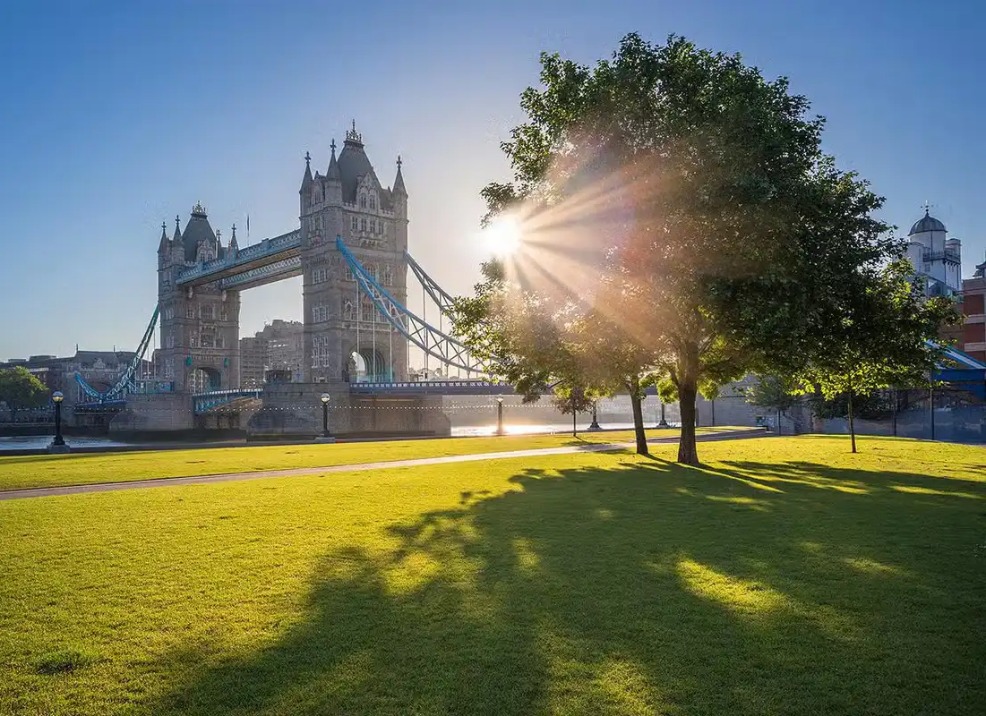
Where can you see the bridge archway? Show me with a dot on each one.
(203, 380)
(368, 365)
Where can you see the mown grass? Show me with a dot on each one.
(20, 472)
(786, 576)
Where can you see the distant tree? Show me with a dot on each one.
(875, 405)
(687, 200)
(880, 340)
(20, 389)
(773, 392)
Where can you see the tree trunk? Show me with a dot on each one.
(687, 393)
(638, 422)
(852, 423)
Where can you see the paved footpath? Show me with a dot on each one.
(357, 467)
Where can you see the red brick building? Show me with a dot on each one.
(974, 308)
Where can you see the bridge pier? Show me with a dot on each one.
(162, 413)
(294, 410)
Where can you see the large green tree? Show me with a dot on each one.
(696, 194)
(20, 389)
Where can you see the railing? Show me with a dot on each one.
(440, 387)
(946, 255)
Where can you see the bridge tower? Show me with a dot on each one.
(199, 325)
(345, 337)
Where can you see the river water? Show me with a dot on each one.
(39, 442)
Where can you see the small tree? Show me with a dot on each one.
(881, 339)
(773, 392)
(21, 389)
(572, 400)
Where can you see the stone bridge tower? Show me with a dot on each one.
(346, 339)
(199, 326)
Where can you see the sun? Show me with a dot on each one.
(503, 236)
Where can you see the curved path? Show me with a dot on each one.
(356, 467)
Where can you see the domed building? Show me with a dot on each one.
(935, 257)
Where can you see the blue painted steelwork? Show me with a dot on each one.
(284, 268)
(429, 339)
(216, 269)
(126, 383)
(438, 294)
(971, 380)
(958, 357)
(204, 402)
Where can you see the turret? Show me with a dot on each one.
(333, 178)
(164, 247)
(177, 249)
(399, 192)
(305, 192)
(306, 178)
(399, 189)
(332, 173)
(233, 247)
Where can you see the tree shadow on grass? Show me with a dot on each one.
(647, 588)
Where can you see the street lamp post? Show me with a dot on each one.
(499, 416)
(326, 436)
(663, 423)
(594, 425)
(58, 444)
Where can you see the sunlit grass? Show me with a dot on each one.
(83, 469)
(586, 583)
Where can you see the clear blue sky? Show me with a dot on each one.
(115, 116)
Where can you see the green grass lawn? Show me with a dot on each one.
(19, 472)
(785, 577)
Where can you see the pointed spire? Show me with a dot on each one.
(399, 181)
(165, 241)
(306, 180)
(332, 173)
(232, 242)
(177, 236)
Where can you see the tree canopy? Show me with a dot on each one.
(21, 389)
(681, 224)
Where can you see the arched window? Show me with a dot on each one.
(347, 310)
(362, 201)
(373, 201)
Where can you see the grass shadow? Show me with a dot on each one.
(645, 588)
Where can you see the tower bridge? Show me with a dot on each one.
(351, 250)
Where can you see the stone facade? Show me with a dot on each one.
(345, 337)
(199, 326)
(973, 339)
(935, 257)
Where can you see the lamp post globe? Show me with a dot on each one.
(325, 398)
(57, 397)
